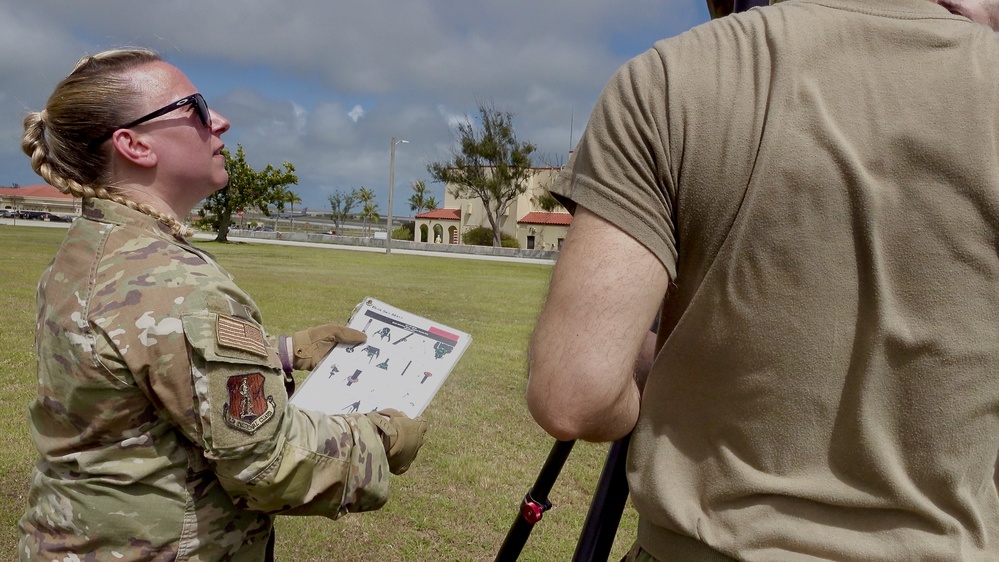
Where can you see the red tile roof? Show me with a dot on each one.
(441, 214)
(42, 190)
(538, 217)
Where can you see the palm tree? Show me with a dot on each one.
(369, 214)
(292, 197)
(368, 206)
(418, 200)
(430, 204)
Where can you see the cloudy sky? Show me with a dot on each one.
(326, 84)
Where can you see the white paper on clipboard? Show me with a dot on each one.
(403, 364)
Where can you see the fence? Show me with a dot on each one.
(366, 242)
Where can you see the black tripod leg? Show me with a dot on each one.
(535, 502)
(604, 516)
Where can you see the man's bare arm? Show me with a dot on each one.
(606, 289)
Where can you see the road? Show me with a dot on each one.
(209, 236)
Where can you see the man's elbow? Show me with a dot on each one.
(554, 416)
(569, 412)
(555, 423)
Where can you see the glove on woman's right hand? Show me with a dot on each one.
(311, 345)
(402, 437)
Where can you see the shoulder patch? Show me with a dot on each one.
(248, 408)
(235, 333)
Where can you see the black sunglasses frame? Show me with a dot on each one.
(197, 100)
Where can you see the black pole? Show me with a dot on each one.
(535, 502)
(606, 508)
(743, 5)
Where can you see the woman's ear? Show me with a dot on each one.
(133, 147)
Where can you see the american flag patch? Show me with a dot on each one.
(240, 334)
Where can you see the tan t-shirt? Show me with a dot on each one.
(821, 181)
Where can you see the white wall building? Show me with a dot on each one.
(524, 220)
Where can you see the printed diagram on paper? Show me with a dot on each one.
(402, 365)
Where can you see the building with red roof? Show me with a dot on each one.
(531, 225)
(41, 197)
(545, 218)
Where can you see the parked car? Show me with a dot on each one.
(43, 216)
(7, 213)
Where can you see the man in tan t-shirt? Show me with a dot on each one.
(810, 194)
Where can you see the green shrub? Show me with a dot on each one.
(402, 233)
(482, 236)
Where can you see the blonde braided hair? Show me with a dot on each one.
(60, 138)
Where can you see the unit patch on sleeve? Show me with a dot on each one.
(248, 408)
(235, 333)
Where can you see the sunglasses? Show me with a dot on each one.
(197, 100)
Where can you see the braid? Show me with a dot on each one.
(176, 227)
(34, 145)
(59, 138)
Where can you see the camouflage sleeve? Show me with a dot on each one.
(192, 341)
(277, 458)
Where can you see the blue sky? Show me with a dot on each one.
(326, 84)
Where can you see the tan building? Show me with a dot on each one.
(524, 219)
(41, 197)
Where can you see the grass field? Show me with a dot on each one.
(483, 451)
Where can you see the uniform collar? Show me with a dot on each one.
(109, 212)
(103, 210)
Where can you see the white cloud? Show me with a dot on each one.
(326, 85)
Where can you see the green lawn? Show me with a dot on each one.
(483, 451)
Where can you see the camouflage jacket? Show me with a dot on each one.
(162, 418)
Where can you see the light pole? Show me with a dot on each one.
(388, 224)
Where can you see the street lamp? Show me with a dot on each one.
(388, 238)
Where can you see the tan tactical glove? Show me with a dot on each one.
(310, 346)
(402, 437)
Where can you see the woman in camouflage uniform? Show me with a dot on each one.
(162, 417)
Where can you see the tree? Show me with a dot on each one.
(418, 200)
(369, 215)
(546, 202)
(281, 196)
(489, 164)
(247, 188)
(341, 204)
(292, 198)
(430, 204)
(368, 206)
